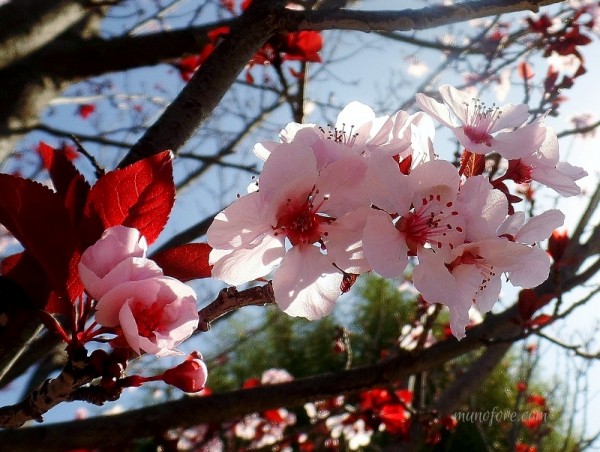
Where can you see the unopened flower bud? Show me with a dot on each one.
(189, 376)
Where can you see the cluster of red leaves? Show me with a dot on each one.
(297, 46)
(56, 226)
(565, 41)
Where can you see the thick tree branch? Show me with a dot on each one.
(28, 25)
(204, 91)
(410, 19)
(97, 56)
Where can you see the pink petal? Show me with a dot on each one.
(457, 101)
(246, 264)
(240, 224)
(484, 208)
(387, 188)
(384, 247)
(108, 307)
(289, 165)
(434, 173)
(519, 143)
(511, 116)
(306, 284)
(355, 114)
(540, 227)
(432, 107)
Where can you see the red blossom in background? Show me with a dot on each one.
(302, 46)
(85, 110)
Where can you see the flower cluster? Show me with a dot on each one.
(153, 312)
(370, 194)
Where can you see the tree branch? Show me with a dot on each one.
(205, 90)
(28, 25)
(410, 19)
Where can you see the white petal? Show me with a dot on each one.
(354, 114)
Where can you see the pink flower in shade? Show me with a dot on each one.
(482, 129)
(544, 167)
(299, 221)
(118, 256)
(357, 128)
(413, 211)
(495, 244)
(154, 314)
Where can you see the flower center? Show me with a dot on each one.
(148, 318)
(433, 222)
(342, 136)
(301, 221)
(480, 122)
(485, 270)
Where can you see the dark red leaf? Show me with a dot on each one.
(471, 164)
(140, 195)
(529, 302)
(185, 262)
(37, 218)
(67, 180)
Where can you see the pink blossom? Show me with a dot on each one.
(118, 256)
(155, 314)
(482, 129)
(357, 128)
(544, 166)
(495, 244)
(298, 221)
(413, 211)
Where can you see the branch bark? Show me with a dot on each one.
(38, 22)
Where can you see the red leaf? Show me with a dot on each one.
(540, 320)
(525, 71)
(37, 217)
(185, 262)
(471, 164)
(529, 302)
(68, 182)
(140, 195)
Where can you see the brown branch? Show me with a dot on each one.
(28, 25)
(230, 299)
(111, 431)
(52, 392)
(205, 90)
(410, 19)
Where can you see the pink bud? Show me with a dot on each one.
(189, 376)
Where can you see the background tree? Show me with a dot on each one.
(255, 74)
